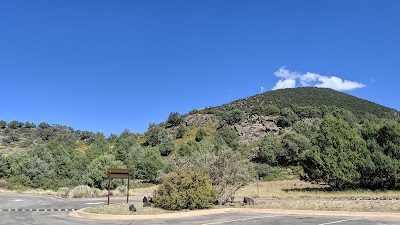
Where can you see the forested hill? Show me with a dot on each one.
(309, 97)
(303, 131)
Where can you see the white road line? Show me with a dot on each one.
(340, 221)
(94, 203)
(18, 200)
(230, 221)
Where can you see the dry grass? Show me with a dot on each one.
(300, 195)
(123, 209)
(301, 189)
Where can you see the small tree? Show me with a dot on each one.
(201, 133)
(43, 125)
(3, 166)
(155, 135)
(181, 131)
(232, 116)
(228, 169)
(335, 155)
(3, 124)
(148, 162)
(15, 124)
(97, 172)
(174, 119)
(185, 190)
(29, 125)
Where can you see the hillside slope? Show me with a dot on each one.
(310, 96)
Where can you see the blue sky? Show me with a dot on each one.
(104, 66)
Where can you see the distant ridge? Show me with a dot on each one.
(312, 96)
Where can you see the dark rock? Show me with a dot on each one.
(132, 208)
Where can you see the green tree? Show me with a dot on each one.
(265, 110)
(378, 171)
(232, 116)
(126, 139)
(186, 190)
(287, 118)
(181, 131)
(388, 136)
(29, 125)
(189, 148)
(15, 124)
(305, 129)
(269, 149)
(148, 162)
(229, 136)
(166, 147)
(174, 119)
(201, 133)
(155, 135)
(3, 124)
(228, 169)
(335, 156)
(293, 145)
(97, 172)
(44, 125)
(3, 166)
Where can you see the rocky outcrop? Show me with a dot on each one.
(198, 120)
(254, 127)
(250, 128)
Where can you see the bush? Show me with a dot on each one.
(3, 184)
(63, 192)
(81, 191)
(185, 190)
(201, 133)
(15, 124)
(3, 124)
(174, 119)
(97, 172)
(181, 131)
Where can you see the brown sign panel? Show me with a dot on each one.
(118, 173)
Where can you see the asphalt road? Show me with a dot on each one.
(27, 202)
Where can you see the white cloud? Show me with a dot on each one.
(285, 74)
(338, 84)
(286, 83)
(262, 90)
(314, 80)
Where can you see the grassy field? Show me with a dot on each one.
(299, 195)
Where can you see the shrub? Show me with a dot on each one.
(201, 133)
(63, 192)
(174, 119)
(181, 131)
(97, 172)
(15, 124)
(81, 191)
(3, 124)
(3, 184)
(186, 190)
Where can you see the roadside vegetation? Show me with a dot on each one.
(346, 146)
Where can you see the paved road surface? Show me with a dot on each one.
(27, 202)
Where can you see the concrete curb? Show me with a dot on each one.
(81, 214)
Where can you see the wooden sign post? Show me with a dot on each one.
(117, 173)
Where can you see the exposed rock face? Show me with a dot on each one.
(251, 127)
(254, 127)
(201, 119)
